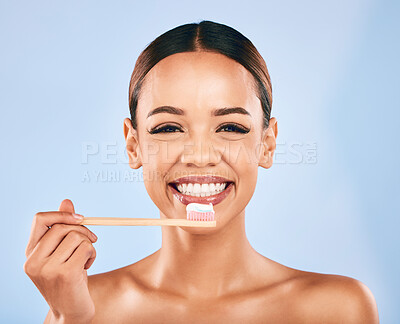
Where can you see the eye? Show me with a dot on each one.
(165, 129)
(236, 128)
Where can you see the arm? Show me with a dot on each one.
(51, 319)
(47, 320)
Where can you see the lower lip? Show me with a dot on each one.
(214, 199)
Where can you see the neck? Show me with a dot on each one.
(207, 265)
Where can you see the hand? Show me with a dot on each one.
(57, 262)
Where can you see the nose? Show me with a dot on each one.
(200, 152)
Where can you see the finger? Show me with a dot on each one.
(67, 205)
(89, 262)
(81, 256)
(55, 235)
(67, 247)
(41, 223)
(36, 233)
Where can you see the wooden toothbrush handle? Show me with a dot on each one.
(124, 221)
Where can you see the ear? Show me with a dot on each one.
(268, 144)
(132, 145)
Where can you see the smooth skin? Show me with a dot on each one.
(199, 275)
(57, 263)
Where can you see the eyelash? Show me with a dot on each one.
(237, 129)
(162, 129)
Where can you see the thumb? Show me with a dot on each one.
(67, 206)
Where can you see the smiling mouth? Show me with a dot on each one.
(201, 189)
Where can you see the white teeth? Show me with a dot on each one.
(212, 187)
(201, 190)
(196, 188)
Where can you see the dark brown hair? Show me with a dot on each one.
(206, 36)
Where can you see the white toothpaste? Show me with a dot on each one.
(201, 208)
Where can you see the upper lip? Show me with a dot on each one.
(201, 179)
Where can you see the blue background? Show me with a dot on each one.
(65, 70)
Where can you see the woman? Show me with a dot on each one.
(200, 101)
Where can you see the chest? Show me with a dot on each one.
(156, 308)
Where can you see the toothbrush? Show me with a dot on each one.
(198, 215)
(200, 212)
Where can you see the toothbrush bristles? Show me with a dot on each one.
(199, 216)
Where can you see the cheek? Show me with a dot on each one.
(157, 159)
(159, 153)
(242, 157)
(243, 154)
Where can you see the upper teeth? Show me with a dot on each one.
(201, 190)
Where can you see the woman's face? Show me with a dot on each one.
(199, 135)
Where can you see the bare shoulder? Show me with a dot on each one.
(118, 294)
(103, 286)
(120, 279)
(114, 282)
(329, 298)
(105, 280)
(113, 293)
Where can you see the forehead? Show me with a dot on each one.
(197, 80)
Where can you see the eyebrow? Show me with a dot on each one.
(166, 109)
(215, 112)
(231, 110)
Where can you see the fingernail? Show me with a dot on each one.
(77, 216)
(94, 236)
